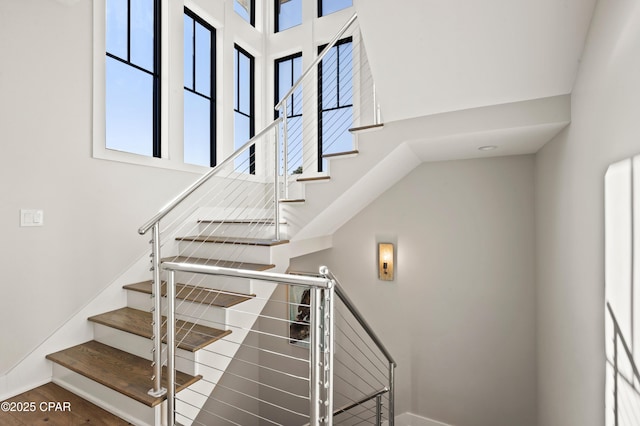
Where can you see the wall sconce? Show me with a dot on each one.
(385, 261)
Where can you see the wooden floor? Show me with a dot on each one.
(52, 405)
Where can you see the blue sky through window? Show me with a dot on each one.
(130, 79)
(289, 14)
(331, 6)
(198, 100)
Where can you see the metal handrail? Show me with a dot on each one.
(204, 178)
(315, 282)
(324, 52)
(364, 400)
(361, 401)
(358, 316)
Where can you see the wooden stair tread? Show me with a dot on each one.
(340, 154)
(313, 179)
(79, 412)
(233, 240)
(365, 128)
(118, 370)
(190, 337)
(204, 295)
(220, 263)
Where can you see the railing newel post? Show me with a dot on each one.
(276, 183)
(171, 354)
(157, 389)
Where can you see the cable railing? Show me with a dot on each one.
(626, 379)
(300, 360)
(334, 95)
(222, 221)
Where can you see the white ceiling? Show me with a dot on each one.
(433, 56)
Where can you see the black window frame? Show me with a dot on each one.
(252, 13)
(321, 14)
(340, 42)
(212, 97)
(276, 17)
(252, 107)
(156, 73)
(276, 93)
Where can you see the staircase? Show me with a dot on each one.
(229, 220)
(113, 370)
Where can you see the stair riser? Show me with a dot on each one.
(241, 230)
(140, 346)
(236, 285)
(248, 253)
(211, 316)
(112, 401)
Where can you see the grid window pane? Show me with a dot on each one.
(203, 60)
(197, 129)
(188, 52)
(345, 73)
(289, 14)
(243, 108)
(129, 109)
(330, 6)
(142, 29)
(335, 130)
(242, 133)
(244, 9)
(244, 83)
(116, 28)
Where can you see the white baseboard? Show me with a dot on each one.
(410, 419)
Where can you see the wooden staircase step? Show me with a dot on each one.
(190, 337)
(118, 370)
(370, 127)
(70, 409)
(191, 293)
(313, 179)
(341, 154)
(220, 263)
(233, 240)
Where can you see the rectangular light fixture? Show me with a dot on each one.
(385, 261)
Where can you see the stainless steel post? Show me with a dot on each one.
(276, 184)
(285, 149)
(171, 352)
(157, 389)
(315, 354)
(392, 419)
(328, 353)
(379, 410)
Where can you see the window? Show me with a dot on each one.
(335, 100)
(244, 108)
(246, 9)
(199, 91)
(288, 14)
(133, 76)
(326, 7)
(287, 71)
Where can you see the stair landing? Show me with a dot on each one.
(79, 412)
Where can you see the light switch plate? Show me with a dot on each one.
(31, 217)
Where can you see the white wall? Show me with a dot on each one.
(570, 218)
(460, 316)
(92, 208)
